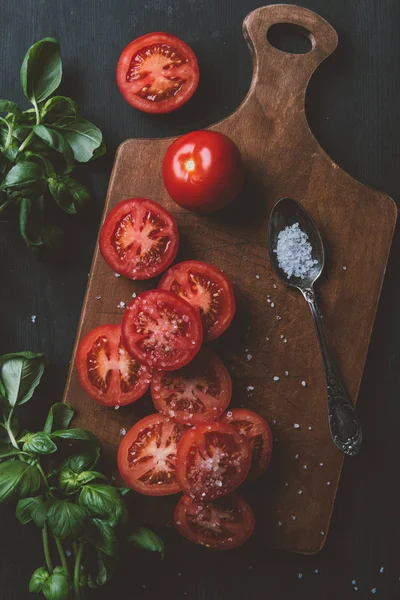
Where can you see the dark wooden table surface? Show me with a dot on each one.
(354, 111)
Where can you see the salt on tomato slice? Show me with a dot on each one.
(157, 73)
(199, 392)
(206, 288)
(161, 330)
(258, 434)
(220, 524)
(147, 456)
(139, 238)
(213, 459)
(106, 371)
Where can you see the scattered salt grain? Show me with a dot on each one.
(274, 421)
(68, 552)
(117, 275)
(286, 484)
(382, 570)
(296, 426)
(285, 341)
(328, 483)
(286, 373)
(269, 300)
(344, 268)
(353, 582)
(276, 378)
(293, 251)
(303, 383)
(278, 318)
(134, 295)
(272, 304)
(116, 407)
(293, 518)
(250, 388)
(305, 467)
(249, 356)
(122, 431)
(121, 305)
(309, 427)
(282, 336)
(297, 456)
(300, 575)
(322, 533)
(373, 591)
(257, 277)
(316, 571)
(321, 464)
(356, 589)
(33, 318)
(280, 523)
(274, 286)
(300, 492)
(98, 297)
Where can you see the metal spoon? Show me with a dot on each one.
(343, 422)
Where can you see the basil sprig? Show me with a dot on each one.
(53, 477)
(39, 147)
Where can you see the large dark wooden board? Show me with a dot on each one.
(282, 159)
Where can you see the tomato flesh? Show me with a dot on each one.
(161, 330)
(220, 524)
(203, 171)
(157, 73)
(258, 434)
(106, 370)
(147, 456)
(206, 288)
(213, 459)
(139, 238)
(198, 392)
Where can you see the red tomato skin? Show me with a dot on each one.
(180, 519)
(130, 337)
(224, 319)
(107, 230)
(125, 471)
(203, 171)
(123, 65)
(244, 414)
(85, 345)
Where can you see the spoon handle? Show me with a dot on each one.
(343, 421)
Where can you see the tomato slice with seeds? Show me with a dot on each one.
(147, 456)
(157, 73)
(258, 434)
(220, 524)
(161, 330)
(213, 459)
(208, 289)
(198, 392)
(139, 238)
(106, 371)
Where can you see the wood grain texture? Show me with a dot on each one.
(282, 158)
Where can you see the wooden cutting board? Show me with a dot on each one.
(267, 339)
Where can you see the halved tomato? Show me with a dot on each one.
(139, 238)
(157, 73)
(106, 370)
(161, 330)
(220, 524)
(199, 392)
(147, 456)
(258, 434)
(213, 459)
(206, 288)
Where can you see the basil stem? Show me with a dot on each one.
(45, 536)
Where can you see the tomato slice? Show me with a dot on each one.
(106, 371)
(139, 238)
(147, 456)
(213, 459)
(258, 434)
(161, 330)
(220, 524)
(199, 392)
(157, 73)
(207, 289)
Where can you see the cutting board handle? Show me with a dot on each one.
(295, 69)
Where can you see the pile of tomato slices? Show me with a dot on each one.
(194, 444)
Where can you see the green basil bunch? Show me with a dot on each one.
(52, 477)
(38, 148)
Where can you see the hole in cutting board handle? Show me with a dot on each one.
(290, 38)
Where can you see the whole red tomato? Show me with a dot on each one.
(203, 171)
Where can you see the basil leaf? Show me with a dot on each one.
(83, 137)
(69, 194)
(76, 434)
(68, 481)
(66, 519)
(26, 507)
(124, 491)
(38, 579)
(146, 539)
(102, 500)
(7, 449)
(9, 107)
(20, 374)
(55, 140)
(59, 417)
(27, 117)
(86, 476)
(106, 566)
(41, 71)
(102, 536)
(18, 480)
(25, 179)
(59, 110)
(82, 462)
(99, 151)
(56, 587)
(30, 220)
(38, 443)
(40, 160)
